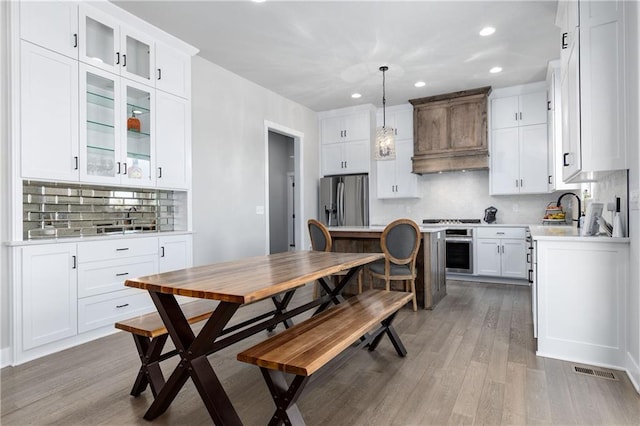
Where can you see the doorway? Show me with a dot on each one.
(284, 200)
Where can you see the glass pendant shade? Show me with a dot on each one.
(385, 146)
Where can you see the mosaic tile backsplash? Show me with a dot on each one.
(57, 210)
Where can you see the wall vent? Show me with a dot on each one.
(594, 372)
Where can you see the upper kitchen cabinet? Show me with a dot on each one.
(346, 136)
(518, 110)
(106, 44)
(394, 177)
(50, 24)
(117, 129)
(450, 131)
(554, 130)
(173, 141)
(48, 115)
(592, 88)
(519, 143)
(173, 71)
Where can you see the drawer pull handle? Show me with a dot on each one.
(500, 233)
(122, 274)
(122, 306)
(122, 249)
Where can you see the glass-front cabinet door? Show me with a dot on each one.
(99, 39)
(107, 45)
(139, 139)
(137, 56)
(99, 126)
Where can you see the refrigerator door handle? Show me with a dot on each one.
(340, 203)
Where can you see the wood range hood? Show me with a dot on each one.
(450, 132)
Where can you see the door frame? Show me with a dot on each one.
(298, 138)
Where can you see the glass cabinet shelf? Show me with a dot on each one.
(137, 108)
(138, 156)
(103, 127)
(100, 148)
(137, 135)
(97, 99)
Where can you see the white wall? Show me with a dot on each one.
(633, 135)
(229, 161)
(4, 177)
(458, 195)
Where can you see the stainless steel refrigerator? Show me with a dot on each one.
(344, 200)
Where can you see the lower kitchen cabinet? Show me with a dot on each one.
(69, 293)
(582, 300)
(174, 252)
(46, 309)
(501, 252)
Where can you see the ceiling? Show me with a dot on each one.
(318, 53)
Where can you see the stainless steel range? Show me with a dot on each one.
(459, 244)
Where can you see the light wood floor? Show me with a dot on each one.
(471, 360)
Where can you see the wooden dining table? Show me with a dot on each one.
(235, 284)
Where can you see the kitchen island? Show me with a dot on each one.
(431, 276)
(579, 295)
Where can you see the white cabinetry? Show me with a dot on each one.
(48, 114)
(47, 297)
(554, 130)
(582, 300)
(107, 44)
(501, 252)
(102, 269)
(173, 141)
(519, 145)
(346, 141)
(51, 24)
(174, 252)
(117, 125)
(593, 88)
(394, 177)
(173, 71)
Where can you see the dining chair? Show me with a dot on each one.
(399, 242)
(321, 241)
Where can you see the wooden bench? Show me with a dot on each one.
(331, 335)
(150, 336)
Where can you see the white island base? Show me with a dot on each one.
(581, 299)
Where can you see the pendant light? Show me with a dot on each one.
(385, 146)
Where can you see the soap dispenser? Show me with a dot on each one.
(617, 222)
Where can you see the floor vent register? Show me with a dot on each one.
(593, 372)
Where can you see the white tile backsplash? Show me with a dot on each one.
(607, 189)
(457, 195)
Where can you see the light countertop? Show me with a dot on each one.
(569, 233)
(380, 228)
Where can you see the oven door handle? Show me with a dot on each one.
(459, 239)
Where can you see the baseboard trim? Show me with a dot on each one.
(6, 359)
(633, 371)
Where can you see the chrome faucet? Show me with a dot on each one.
(579, 205)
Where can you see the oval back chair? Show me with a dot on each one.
(400, 242)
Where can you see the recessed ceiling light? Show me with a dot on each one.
(356, 96)
(486, 31)
(258, 1)
(495, 70)
(420, 84)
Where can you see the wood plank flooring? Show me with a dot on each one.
(470, 361)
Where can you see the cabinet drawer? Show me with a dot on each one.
(491, 232)
(116, 249)
(107, 276)
(107, 309)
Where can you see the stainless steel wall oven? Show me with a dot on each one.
(459, 248)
